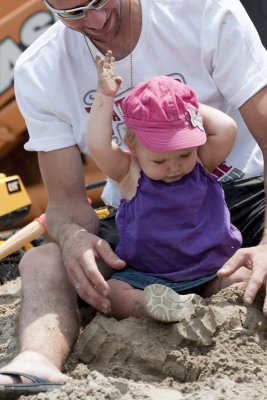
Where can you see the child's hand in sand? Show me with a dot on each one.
(108, 82)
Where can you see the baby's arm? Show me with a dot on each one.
(108, 156)
(221, 134)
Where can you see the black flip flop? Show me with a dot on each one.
(14, 390)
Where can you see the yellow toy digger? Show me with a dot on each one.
(13, 210)
(14, 201)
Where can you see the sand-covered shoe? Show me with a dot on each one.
(166, 305)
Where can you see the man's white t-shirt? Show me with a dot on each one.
(210, 45)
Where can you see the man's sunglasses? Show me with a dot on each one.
(78, 12)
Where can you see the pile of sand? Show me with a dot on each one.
(219, 353)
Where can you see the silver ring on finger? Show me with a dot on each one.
(77, 285)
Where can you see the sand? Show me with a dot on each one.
(218, 353)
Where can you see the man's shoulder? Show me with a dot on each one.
(43, 46)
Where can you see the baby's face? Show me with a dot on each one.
(168, 166)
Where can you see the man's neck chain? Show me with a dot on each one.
(131, 44)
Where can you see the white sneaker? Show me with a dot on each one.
(166, 305)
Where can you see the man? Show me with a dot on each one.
(212, 46)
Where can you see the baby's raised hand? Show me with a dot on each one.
(108, 81)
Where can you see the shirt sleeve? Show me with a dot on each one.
(233, 50)
(37, 100)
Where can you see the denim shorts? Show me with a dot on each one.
(140, 280)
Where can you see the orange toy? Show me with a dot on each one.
(32, 231)
(23, 236)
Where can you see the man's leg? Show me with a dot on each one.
(245, 199)
(48, 322)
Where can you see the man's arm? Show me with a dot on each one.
(254, 113)
(73, 224)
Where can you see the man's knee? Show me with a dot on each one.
(42, 260)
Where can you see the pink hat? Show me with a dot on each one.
(163, 113)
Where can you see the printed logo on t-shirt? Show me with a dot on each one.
(225, 173)
(118, 120)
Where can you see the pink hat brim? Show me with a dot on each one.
(172, 140)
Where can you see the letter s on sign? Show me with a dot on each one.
(10, 50)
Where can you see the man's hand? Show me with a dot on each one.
(255, 259)
(80, 252)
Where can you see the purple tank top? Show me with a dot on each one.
(177, 231)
